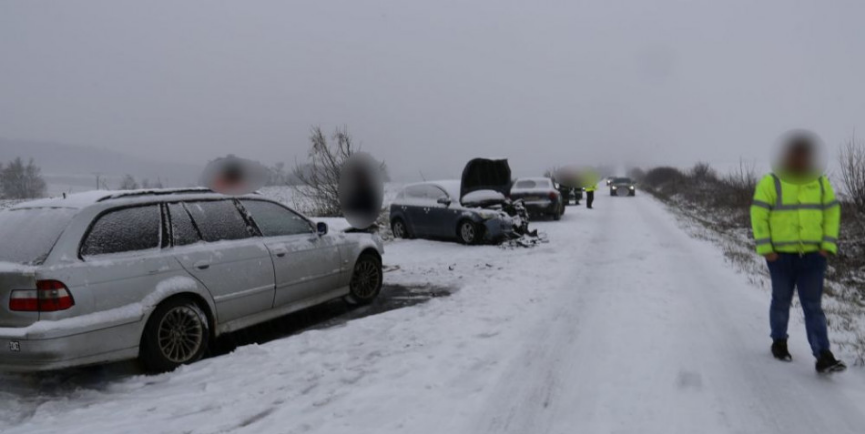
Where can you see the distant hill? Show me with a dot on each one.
(69, 168)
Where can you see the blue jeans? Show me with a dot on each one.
(806, 272)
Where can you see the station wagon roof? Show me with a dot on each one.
(86, 199)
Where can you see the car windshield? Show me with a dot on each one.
(28, 235)
(622, 180)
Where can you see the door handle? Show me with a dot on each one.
(202, 265)
(280, 253)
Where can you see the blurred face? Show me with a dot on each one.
(799, 159)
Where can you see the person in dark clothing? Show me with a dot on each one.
(590, 196)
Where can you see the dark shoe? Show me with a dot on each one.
(780, 351)
(827, 363)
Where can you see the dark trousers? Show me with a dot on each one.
(590, 197)
(805, 273)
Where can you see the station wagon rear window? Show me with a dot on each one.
(28, 235)
(124, 230)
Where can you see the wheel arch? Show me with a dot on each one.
(477, 221)
(181, 287)
(369, 251)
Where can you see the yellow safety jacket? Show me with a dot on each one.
(591, 187)
(795, 218)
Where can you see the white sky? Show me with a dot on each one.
(426, 85)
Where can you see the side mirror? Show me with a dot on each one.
(321, 227)
(444, 201)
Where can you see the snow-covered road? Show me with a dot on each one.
(621, 324)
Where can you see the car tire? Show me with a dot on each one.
(366, 280)
(399, 229)
(468, 232)
(177, 333)
(557, 215)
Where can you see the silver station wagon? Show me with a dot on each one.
(156, 275)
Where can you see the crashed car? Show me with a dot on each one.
(473, 210)
(540, 197)
(622, 187)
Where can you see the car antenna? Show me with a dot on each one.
(423, 178)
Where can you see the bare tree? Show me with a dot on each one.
(852, 159)
(128, 183)
(20, 181)
(703, 172)
(741, 183)
(319, 176)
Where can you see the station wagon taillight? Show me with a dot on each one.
(49, 296)
(554, 195)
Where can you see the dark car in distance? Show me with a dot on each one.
(539, 196)
(622, 187)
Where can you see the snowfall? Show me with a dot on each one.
(621, 323)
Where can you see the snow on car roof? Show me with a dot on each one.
(75, 200)
(85, 199)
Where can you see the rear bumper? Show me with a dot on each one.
(33, 352)
(541, 206)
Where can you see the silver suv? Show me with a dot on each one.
(100, 277)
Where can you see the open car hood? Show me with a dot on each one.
(485, 174)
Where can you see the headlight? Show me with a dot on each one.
(614, 187)
(632, 187)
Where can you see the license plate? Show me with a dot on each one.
(15, 346)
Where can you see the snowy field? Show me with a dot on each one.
(622, 323)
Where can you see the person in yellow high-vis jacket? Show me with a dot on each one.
(796, 219)
(590, 184)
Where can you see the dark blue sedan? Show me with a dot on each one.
(434, 210)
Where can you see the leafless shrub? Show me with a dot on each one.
(128, 183)
(21, 181)
(318, 178)
(740, 184)
(852, 159)
(703, 172)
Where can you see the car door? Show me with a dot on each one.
(128, 241)
(440, 217)
(413, 207)
(215, 243)
(306, 264)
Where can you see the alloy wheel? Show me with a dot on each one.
(366, 280)
(181, 334)
(399, 229)
(467, 232)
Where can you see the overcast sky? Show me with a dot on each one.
(426, 85)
